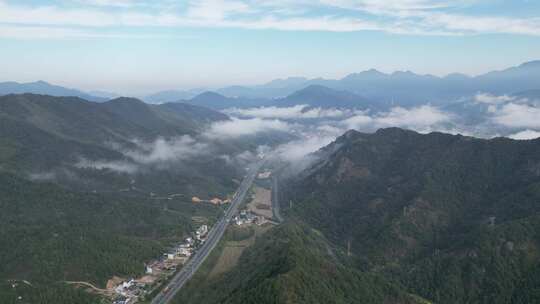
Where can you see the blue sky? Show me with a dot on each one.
(137, 47)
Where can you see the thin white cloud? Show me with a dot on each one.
(330, 130)
(397, 8)
(358, 121)
(296, 150)
(476, 24)
(207, 13)
(434, 16)
(42, 176)
(294, 112)
(421, 118)
(525, 135)
(162, 150)
(315, 136)
(492, 99)
(158, 152)
(415, 117)
(111, 3)
(215, 10)
(116, 166)
(242, 127)
(412, 17)
(517, 116)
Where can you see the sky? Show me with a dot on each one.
(138, 47)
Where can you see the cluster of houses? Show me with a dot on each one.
(246, 217)
(201, 232)
(130, 291)
(183, 250)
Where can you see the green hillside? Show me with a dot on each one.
(66, 222)
(293, 263)
(56, 235)
(50, 136)
(454, 219)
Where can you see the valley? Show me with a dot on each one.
(269, 152)
(383, 214)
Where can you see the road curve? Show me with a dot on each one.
(215, 234)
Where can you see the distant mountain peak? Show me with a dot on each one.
(42, 82)
(531, 64)
(394, 131)
(403, 73)
(126, 101)
(324, 97)
(350, 133)
(316, 87)
(209, 94)
(372, 71)
(319, 91)
(44, 88)
(285, 82)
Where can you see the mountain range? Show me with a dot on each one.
(313, 96)
(389, 217)
(44, 88)
(398, 88)
(402, 88)
(94, 187)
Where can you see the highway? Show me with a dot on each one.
(275, 200)
(215, 234)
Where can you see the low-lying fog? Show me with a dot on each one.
(311, 128)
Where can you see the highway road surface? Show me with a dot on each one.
(275, 200)
(215, 234)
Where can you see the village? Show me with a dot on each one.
(157, 272)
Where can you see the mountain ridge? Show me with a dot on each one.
(404, 87)
(45, 88)
(429, 210)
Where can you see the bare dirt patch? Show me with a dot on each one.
(261, 202)
(233, 250)
(114, 281)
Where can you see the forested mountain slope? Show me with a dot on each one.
(71, 209)
(121, 118)
(98, 143)
(51, 235)
(453, 218)
(294, 263)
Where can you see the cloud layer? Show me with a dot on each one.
(487, 98)
(517, 116)
(294, 112)
(242, 127)
(422, 118)
(410, 17)
(162, 150)
(525, 135)
(157, 153)
(313, 128)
